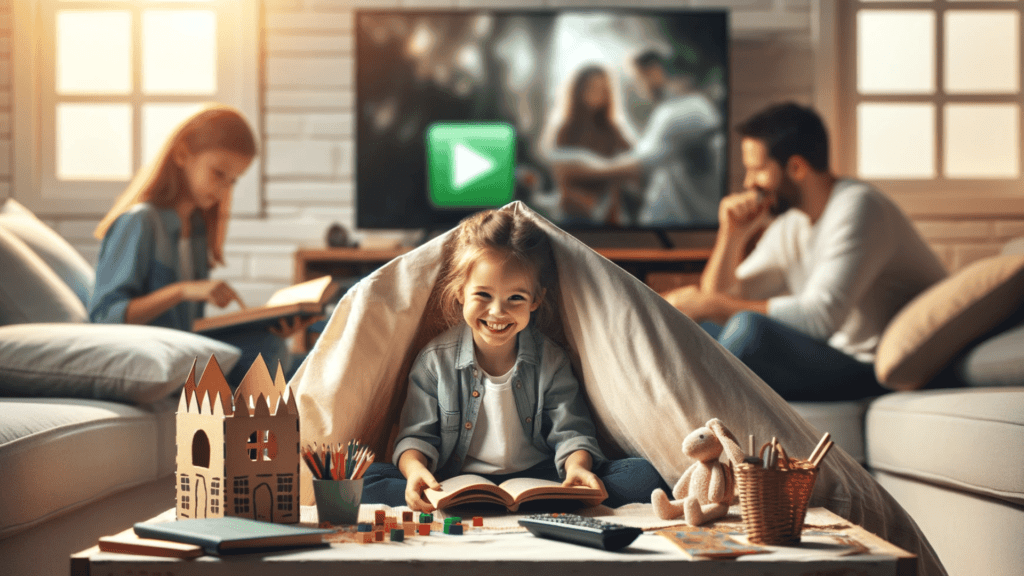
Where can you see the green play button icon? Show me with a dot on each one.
(470, 165)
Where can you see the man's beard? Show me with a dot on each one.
(787, 195)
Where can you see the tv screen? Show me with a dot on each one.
(598, 119)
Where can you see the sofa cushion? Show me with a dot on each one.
(968, 439)
(60, 256)
(60, 454)
(844, 421)
(120, 362)
(934, 327)
(30, 291)
(996, 361)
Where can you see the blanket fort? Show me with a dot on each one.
(649, 373)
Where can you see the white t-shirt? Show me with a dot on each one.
(499, 444)
(844, 278)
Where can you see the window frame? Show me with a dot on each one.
(33, 56)
(834, 35)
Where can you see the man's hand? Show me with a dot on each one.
(744, 213)
(213, 291)
(689, 300)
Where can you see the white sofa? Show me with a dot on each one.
(951, 456)
(86, 411)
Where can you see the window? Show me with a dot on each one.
(241, 496)
(100, 83)
(262, 446)
(284, 492)
(930, 102)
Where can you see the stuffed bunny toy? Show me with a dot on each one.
(706, 489)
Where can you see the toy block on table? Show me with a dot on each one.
(409, 527)
(455, 529)
(424, 529)
(378, 536)
(397, 535)
(367, 537)
(226, 444)
(426, 518)
(478, 521)
(378, 517)
(364, 527)
(406, 516)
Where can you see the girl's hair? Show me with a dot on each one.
(509, 234)
(161, 182)
(577, 118)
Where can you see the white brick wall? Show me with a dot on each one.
(307, 125)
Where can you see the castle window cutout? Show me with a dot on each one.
(284, 493)
(262, 445)
(201, 449)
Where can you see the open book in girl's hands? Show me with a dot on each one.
(470, 488)
(303, 299)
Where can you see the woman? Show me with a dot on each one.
(590, 124)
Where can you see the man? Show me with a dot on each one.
(835, 262)
(680, 151)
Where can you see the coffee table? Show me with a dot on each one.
(498, 552)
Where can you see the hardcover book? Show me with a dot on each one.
(231, 534)
(128, 542)
(470, 488)
(303, 299)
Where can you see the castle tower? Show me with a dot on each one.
(238, 455)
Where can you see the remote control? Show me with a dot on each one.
(580, 530)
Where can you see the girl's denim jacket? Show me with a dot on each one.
(446, 390)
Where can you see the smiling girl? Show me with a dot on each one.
(493, 395)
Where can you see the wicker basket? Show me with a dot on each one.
(774, 500)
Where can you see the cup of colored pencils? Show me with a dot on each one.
(338, 479)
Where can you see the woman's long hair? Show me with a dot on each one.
(602, 122)
(161, 182)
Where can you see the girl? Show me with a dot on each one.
(167, 230)
(492, 395)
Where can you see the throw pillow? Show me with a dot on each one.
(29, 290)
(120, 362)
(929, 331)
(51, 247)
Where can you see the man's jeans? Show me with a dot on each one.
(798, 367)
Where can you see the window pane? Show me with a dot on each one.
(982, 141)
(896, 51)
(982, 51)
(94, 142)
(94, 52)
(179, 52)
(157, 122)
(896, 140)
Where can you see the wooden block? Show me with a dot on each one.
(397, 535)
(424, 529)
(409, 527)
(478, 521)
(378, 517)
(367, 537)
(378, 536)
(406, 516)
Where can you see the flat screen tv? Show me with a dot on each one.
(618, 117)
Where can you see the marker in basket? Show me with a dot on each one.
(821, 455)
(821, 444)
(752, 458)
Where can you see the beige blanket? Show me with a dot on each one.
(651, 375)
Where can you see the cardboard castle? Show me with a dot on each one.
(238, 455)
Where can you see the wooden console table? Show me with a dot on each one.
(660, 268)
